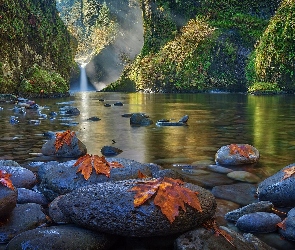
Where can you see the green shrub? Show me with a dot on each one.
(38, 80)
(264, 88)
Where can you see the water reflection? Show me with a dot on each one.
(215, 120)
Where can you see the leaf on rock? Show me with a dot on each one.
(99, 163)
(170, 195)
(5, 179)
(242, 150)
(288, 172)
(141, 175)
(63, 138)
(211, 224)
(282, 224)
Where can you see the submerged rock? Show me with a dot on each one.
(140, 119)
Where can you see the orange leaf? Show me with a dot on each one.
(242, 150)
(5, 179)
(100, 164)
(282, 224)
(170, 195)
(211, 224)
(63, 138)
(288, 172)
(141, 175)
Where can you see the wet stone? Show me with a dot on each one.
(259, 222)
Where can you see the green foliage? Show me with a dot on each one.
(259, 88)
(275, 53)
(39, 81)
(179, 65)
(91, 24)
(34, 33)
(218, 61)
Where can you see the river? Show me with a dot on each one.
(215, 120)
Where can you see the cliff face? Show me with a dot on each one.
(31, 33)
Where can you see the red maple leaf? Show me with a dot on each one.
(5, 179)
(242, 150)
(87, 162)
(170, 195)
(63, 138)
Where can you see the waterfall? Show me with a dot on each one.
(83, 78)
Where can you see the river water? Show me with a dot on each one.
(215, 119)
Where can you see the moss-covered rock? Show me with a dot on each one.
(32, 33)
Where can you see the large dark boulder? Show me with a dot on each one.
(109, 208)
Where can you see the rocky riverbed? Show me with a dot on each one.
(51, 205)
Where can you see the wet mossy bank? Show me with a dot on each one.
(36, 50)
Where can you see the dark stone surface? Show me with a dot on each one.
(61, 178)
(20, 177)
(262, 206)
(8, 199)
(280, 192)
(108, 207)
(223, 156)
(75, 149)
(259, 222)
(241, 193)
(140, 119)
(30, 196)
(61, 237)
(202, 239)
(23, 217)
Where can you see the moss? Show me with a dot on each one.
(41, 81)
(34, 34)
(274, 59)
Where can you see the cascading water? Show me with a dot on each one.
(83, 78)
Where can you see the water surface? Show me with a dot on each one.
(217, 119)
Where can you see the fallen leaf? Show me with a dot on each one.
(170, 195)
(141, 175)
(211, 224)
(5, 179)
(242, 150)
(288, 172)
(282, 224)
(63, 138)
(87, 162)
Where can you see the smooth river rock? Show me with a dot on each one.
(259, 222)
(278, 191)
(60, 237)
(109, 208)
(61, 178)
(224, 156)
